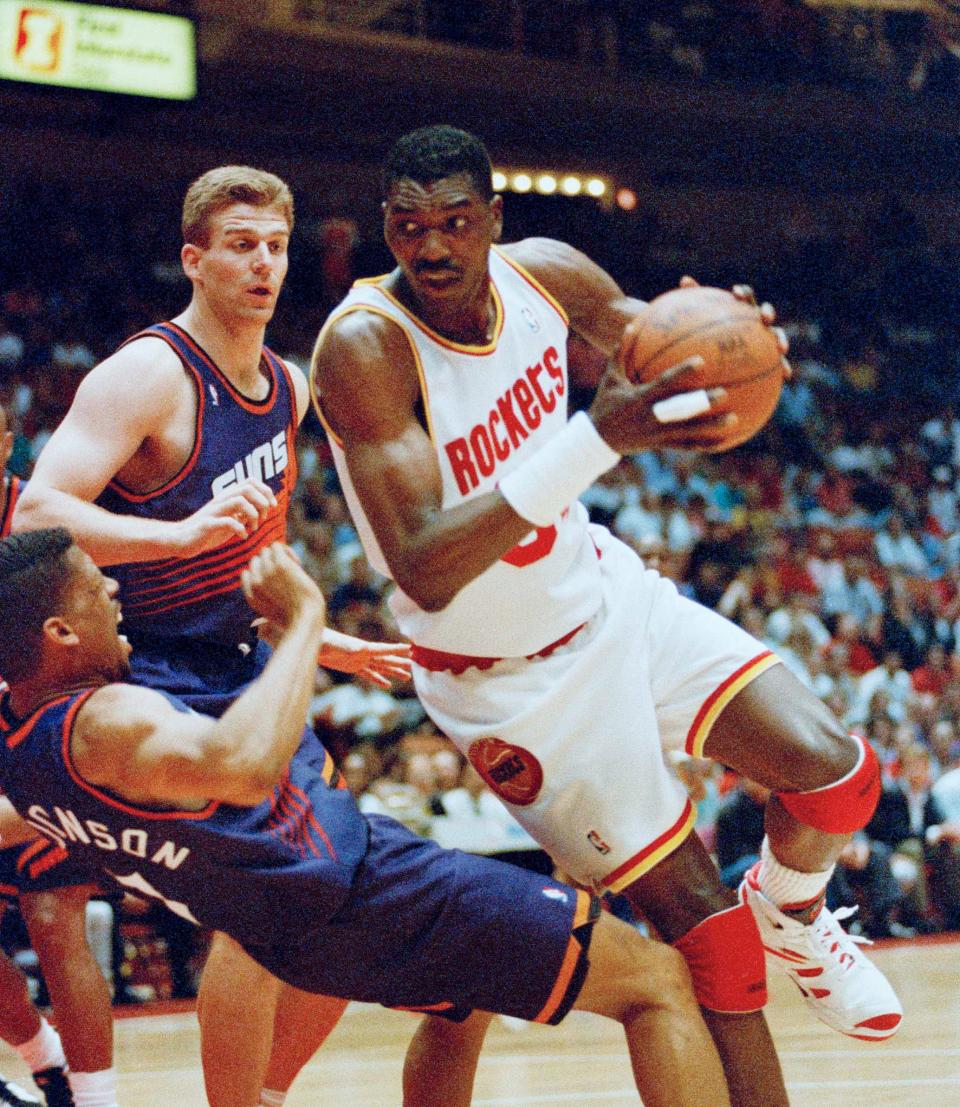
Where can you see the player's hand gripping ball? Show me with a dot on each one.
(740, 352)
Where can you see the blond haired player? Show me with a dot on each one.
(174, 466)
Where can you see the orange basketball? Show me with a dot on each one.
(740, 352)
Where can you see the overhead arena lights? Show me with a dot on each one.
(550, 183)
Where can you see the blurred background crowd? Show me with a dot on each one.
(833, 536)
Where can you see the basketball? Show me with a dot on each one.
(739, 350)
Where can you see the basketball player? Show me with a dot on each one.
(542, 647)
(232, 823)
(175, 464)
(52, 896)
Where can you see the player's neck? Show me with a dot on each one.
(236, 347)
(470, 321)
(29, 695)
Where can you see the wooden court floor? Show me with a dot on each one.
(583, 1062)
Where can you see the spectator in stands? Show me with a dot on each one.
(864, 878)
(890, 678)
(898, 549)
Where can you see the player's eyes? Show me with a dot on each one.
(458, 222)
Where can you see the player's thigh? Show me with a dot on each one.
(776, 731)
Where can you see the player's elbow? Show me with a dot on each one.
(31, 512)
(429, 591)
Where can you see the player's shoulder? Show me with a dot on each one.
(357, 336)
(543, 257)
(146, 364)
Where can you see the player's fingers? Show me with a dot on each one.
(260, 488)
(374, 677)
(686, 281)
(683, 407)
(744, 292)
(787, 369)
(239, 508)
(709, 430)
(782, 341)
(671, 380)
(256, 498)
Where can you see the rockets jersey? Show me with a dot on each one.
(235, 439)
(487, 409)
(250, 871)
(15, 489)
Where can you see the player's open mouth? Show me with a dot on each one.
(259, 290)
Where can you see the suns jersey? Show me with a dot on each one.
(487, 409)
(235, 438)
(15, 488)
(251, 871)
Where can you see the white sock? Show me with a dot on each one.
(789, 887)
(270, 1098)
(44, 1050)
(94, 1089)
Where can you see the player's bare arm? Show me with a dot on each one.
(132, 418)
(366, 381)
(135, 743)
(14, 831)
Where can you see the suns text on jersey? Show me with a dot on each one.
(65, 827)
(268, 460)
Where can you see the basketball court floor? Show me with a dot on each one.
(584, 1061)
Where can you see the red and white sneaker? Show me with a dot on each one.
(838, 983)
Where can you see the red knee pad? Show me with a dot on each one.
(725, 957)
(844, 806)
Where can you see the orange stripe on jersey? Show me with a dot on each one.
(421, 376)
(257, 407)
(106, 797)
(31, 851)
(447, 343)
(14, 737)
(642, 862)
(239, 559)
(187, 467)
(582, 914)
(171, 566)
(47, 861)
(534, 283)
(562, 983)
(206, 594)
(718, 700)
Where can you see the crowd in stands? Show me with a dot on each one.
(769, 41)
(833, 537)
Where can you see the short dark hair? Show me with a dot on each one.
(432, 153)
(33, 572)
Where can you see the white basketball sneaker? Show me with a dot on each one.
(837, 982)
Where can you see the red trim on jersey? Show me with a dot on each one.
(187, 467)
(313, 821)
(271, 532)
(14, 486)
(105, 797)
(30, 851)
(257, 407)
(652, 847)
(438, 661)
(16, 736)
(171, 566)
(202, 590)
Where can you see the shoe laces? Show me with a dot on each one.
(841, 945)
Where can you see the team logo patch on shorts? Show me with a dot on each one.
(512, 772)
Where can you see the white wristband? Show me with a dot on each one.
(549, 481)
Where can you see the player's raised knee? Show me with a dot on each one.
(847, 803)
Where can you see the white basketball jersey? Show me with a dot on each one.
(488, 408)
